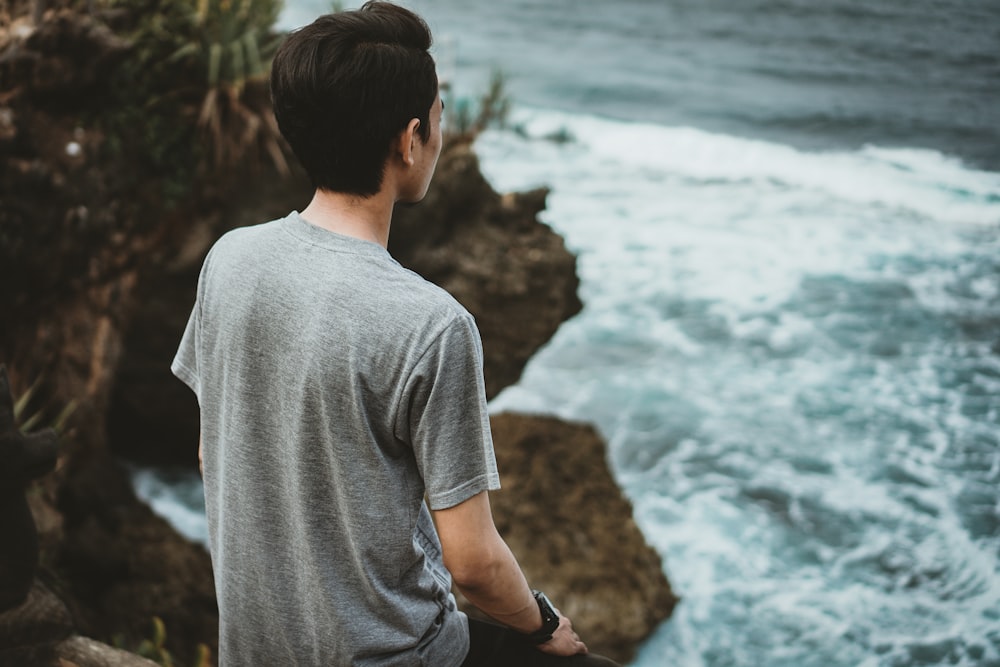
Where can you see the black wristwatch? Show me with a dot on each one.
(550, 620)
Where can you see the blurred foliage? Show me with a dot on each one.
(191, 61)
(465, 118)
(233, 45)
(149, 96)
(124, 84)
(227, 37)
(27, 423)
(154, 648)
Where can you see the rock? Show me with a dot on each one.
(74, 651)
(76, 53)
(69, 224)
(41, 620)
(84, 652)
(124, 564)
(511, 271)
(572, 530)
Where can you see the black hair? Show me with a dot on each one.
(346, 85)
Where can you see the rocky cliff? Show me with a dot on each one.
(98, 262)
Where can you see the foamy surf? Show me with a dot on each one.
(790, 354)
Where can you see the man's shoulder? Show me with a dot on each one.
(248, 234)
(424, 299)
(238, 243)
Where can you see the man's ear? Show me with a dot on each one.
(407, 140)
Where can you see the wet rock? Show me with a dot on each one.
(571, 528)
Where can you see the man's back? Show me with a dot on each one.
(336, 390)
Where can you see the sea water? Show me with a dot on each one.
(787, 222)
(794, 358)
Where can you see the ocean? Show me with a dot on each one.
(787, 219)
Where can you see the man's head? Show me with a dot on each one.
(346, 86)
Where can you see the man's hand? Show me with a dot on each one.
(564, 640)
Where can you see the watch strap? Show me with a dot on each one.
(550, 620)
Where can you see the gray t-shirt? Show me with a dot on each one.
(337, 390)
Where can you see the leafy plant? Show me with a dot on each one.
(155, 650)
(467, 119)
(26, 424)
(148, 116)
(231, 43)
(191, 96)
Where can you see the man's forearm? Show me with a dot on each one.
(487, 573)
(501, 591)
(482, 565)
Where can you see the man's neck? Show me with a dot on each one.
(367, 219)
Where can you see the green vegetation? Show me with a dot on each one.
(190, 97)
(148, 100)
(26, 424)
(464, 118)
(226, 45)
(154, 648)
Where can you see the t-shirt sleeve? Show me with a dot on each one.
(185, 364)
(443, 413)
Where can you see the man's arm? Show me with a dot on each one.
(201, 466)
(488, 575)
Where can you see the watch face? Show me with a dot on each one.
(550, 618)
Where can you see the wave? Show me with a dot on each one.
(924, 183)
(791, 354)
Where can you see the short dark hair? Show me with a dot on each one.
(346, 85)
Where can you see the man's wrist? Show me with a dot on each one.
(550, 620)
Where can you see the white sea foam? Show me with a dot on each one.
(766, 343)
(923, 183)
(662, 204)
(177, 496)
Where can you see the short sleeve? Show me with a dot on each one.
(444, 417)
(185, 364)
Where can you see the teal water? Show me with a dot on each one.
(831, 74)
(794, 357)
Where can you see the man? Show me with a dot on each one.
(342, 397)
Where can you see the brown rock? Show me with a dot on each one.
(123, 564)
(41, 619)
(83, 652)
(512, 272)
(572, 530)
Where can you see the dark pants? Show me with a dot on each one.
(496, 646)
